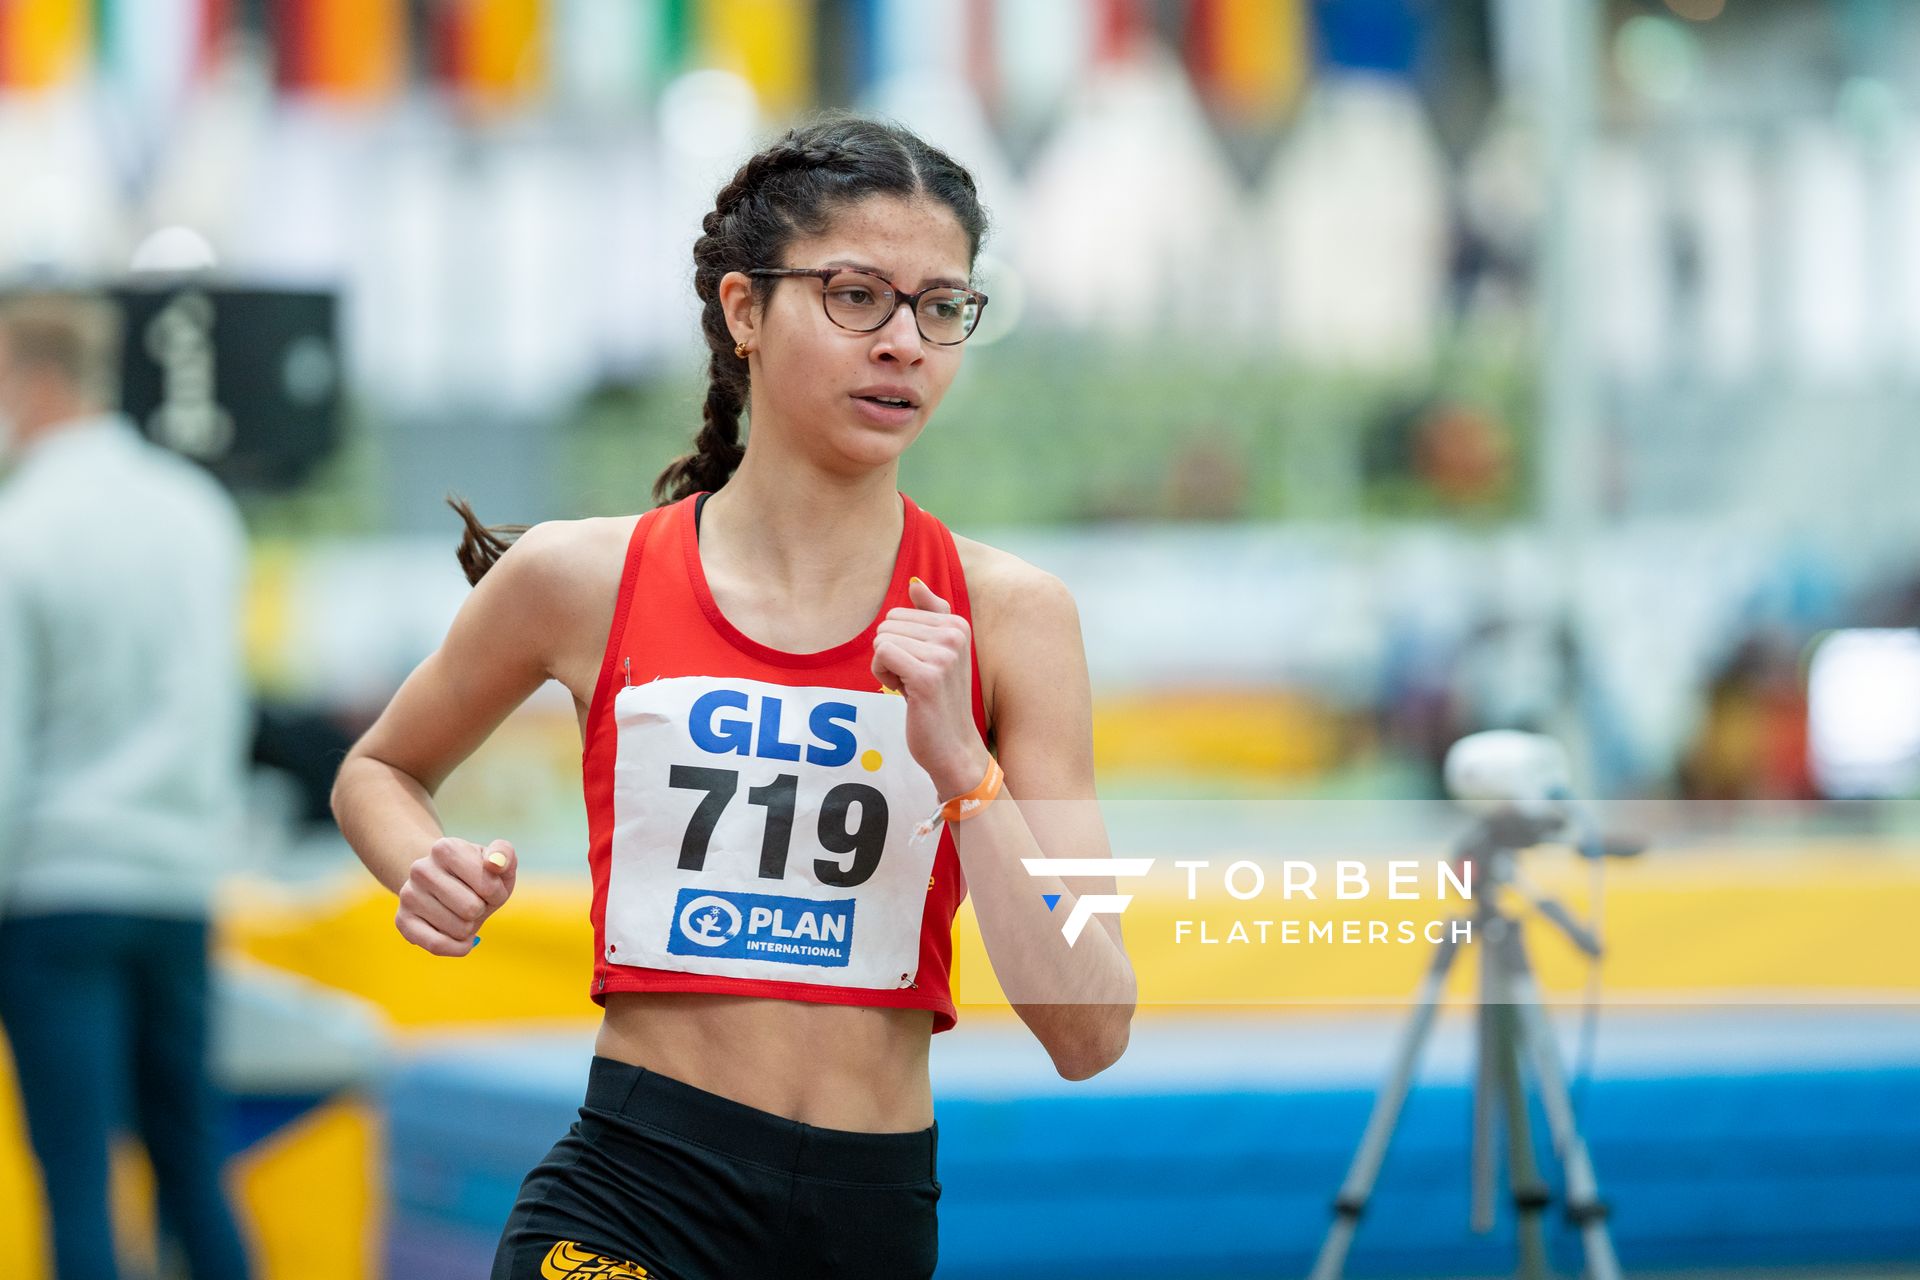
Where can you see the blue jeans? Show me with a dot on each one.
(107, 1019)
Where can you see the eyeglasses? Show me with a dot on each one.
(863, 302)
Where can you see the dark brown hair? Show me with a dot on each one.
(791, 188)
(480, 545)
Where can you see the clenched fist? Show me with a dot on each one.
(451, 891)
(925, 652)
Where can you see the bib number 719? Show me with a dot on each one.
(865, 841)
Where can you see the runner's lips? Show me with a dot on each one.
(886, 394)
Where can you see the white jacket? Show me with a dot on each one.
(123, 713)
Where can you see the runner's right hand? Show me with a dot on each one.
(451, 891)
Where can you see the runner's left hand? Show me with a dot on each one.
(926, 653)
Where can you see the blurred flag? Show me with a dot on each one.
(1354, 226)
(151, 51)
(981, 54)
(151, 57)
(1519, 31)
(769, 43)
(1041, 50)
(673, 51)
(617, 54)
(347, 50)
(863, 46)
(1381, 36)
(1130, 182)
(926, 39)
(1119, 28)
(846, 49)
(492, 53)
(1248, 58)
(43, 43)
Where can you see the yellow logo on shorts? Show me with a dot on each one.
(568, 1260)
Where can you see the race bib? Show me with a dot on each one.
(767, 831)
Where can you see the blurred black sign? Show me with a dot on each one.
(245, 381)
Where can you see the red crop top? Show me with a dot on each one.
(752, 811)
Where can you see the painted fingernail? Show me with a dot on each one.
(497, 858)
(476, 941)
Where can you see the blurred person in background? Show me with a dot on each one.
(122, 748)
(1751, 741)
(759, 1100)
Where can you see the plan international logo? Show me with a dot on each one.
(762, 926)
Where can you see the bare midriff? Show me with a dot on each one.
(832, 1066)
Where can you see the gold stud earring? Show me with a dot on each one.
(740, 349)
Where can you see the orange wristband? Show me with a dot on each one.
(964, 806)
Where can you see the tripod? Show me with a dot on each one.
(1511, 1034)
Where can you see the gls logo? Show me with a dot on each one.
(831, 724)
(1088, 905)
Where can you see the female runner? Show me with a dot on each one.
(773, 896)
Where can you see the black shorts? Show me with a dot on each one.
(661, 1180)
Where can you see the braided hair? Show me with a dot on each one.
(789, 190)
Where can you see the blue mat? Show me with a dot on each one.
(1723, 1138)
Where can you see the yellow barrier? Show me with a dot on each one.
(1828, 922)
(309, 1196)
(1217, 734)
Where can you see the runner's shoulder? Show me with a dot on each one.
(567, 564)
(1002, 587)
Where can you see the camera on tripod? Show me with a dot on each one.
(1519, 788)
(1521, 785)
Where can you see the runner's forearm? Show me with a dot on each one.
(1077, 999)
(386, 815)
